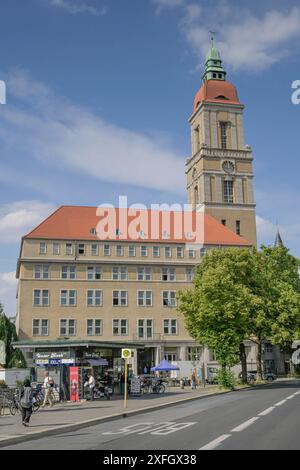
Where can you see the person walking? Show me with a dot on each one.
(26, 402)
(48, 388)
(92, 384)
(193, 380)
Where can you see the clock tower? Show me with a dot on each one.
(219, 172)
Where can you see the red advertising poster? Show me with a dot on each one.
(74, 382)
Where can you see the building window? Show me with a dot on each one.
(194, 354)
(228, 191)
(144, 251)
(192, 253)
(56, 248)
(94, 273)
(68, 272)
(238, 227)
(41, 297)
(223, 222)
(120, 327)
(40, 327)
(67, 327)
(120, 250)
(43, 248)
(69, 249)
(223, 127)
(268, 348)
(131, 250)
(180, 252)
(168, 274)
(68, 298)
(119, 273)
(144, 273)
(120, 298)
(156, 252)
(190, 274)
(41, 271)
(81, 249)
(106, 250)
(144, 328)
(144, 298)
(94, 327)
(202, 252)
(95, 249)
(170, 327)
(169, 298)
(168, 252)
(94, 298)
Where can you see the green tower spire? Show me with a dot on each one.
(213, 64)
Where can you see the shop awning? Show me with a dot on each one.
(97, 362)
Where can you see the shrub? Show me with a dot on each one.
(3, 384)
(226, 379)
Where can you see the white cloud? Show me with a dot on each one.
(63, 135)
(246, 41)
(290, 233)
(161, 4)
(74, 7)
(18, 218)
(8, 289)
(266, 230)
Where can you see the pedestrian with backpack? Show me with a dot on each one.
(26, 402)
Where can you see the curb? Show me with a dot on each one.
(92, 422)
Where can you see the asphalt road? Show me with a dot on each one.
(265, 417)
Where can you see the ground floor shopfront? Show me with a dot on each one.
(178, 352)
(62, 357)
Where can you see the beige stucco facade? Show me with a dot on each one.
(175, 342)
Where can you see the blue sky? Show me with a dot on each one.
(98, 97)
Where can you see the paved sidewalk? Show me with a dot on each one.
(49, 420)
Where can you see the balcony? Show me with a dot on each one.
(153, 338)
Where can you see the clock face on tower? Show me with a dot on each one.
(228, 166)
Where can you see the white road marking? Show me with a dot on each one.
(280, 403)
(291, 396)
(267, 411)
(297, 393)
(165, 430)
(213, 444)
(245, 425)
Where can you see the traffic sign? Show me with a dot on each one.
(126, 353)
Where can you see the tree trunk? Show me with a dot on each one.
(258, 360)
(243, 363)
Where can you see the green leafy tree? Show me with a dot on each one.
(216, 311)
(243, 294)
(275, 311)
(8, 334)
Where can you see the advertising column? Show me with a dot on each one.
(74, 384)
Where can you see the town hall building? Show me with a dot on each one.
(85, 295)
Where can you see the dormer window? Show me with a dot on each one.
(221, 97)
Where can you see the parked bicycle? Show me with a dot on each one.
(158, 387)
(14, 405)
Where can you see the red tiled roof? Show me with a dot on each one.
(77, 223)
(216, 91)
